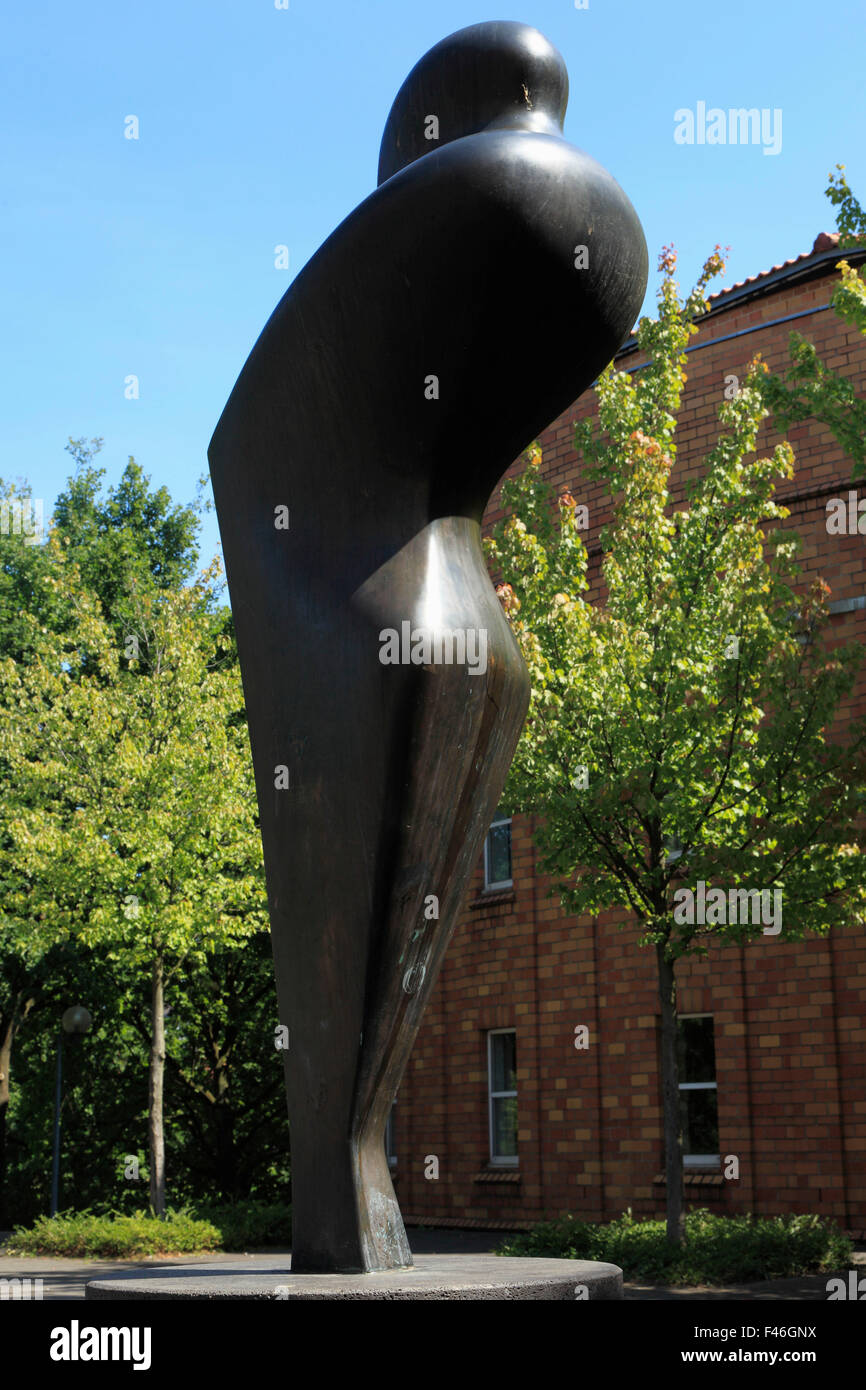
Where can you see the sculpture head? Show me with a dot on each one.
(500, 75)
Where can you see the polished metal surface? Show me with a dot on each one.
(443, 324)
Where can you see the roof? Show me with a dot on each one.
(824, 242)
(821, 260)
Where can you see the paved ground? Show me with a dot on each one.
(65, 1279)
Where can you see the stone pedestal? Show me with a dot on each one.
(433, 1277)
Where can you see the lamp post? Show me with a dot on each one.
(75, 1021)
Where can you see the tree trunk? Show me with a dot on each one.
(7, 1034)
(673, 1130)
(157, 1077)
(224, 1123)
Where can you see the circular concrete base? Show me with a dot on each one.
(459, 1277)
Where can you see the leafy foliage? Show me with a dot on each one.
(693, 705)
(250, 1225)
(130, 812)
(123, 685)
(226, 1128)
(680, 729)
(198, 1228)
(129, 539)
(810, 390)
(84, 1235)
(717, 1249)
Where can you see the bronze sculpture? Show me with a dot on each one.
(451, 316)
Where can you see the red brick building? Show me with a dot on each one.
(777, 1031)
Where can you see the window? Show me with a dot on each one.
(497, 854)
(390, 1145)
(698, 1090)
(502, 1084)
(673, 846)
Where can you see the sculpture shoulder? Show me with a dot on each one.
(482, 186)
(500, 209)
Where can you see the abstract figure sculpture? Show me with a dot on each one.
(459, 309)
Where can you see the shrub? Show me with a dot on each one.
(250, 1225)
(114, 1236)
(717, 1249)
(237, 1227)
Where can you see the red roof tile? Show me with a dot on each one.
(824, 241)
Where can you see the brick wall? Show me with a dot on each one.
(790, 1019)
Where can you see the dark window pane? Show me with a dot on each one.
(499, 853)
(697, 1053)
(700, 1117)
(505, 1127)
(503, 1047)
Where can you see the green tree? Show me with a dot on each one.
(224, 1078)
(810, 390)
(129, 540)
(128, 537)
(224, 1138)
(23, 566)
(129, 812)
(104, 1106)
(679, 731)
(225, 1111)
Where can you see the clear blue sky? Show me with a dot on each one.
(261, 126)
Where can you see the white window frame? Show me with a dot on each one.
(701, 1160)
(490, 887)
(505, 1160)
